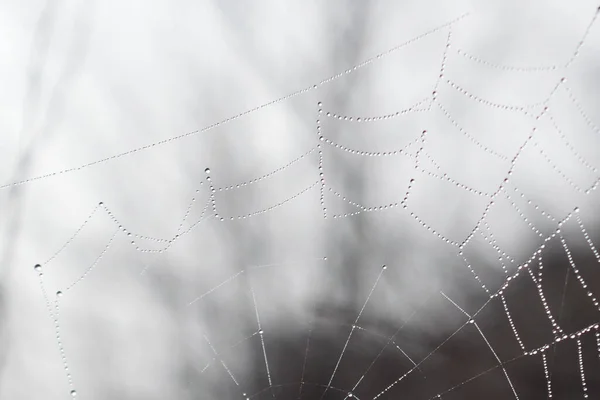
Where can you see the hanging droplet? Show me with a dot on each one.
(73, 393)
(384, 267)
(59, 293)
(37, 267)
(260, 332)
(207, 171)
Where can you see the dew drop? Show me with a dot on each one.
(350, 395)
(260, 332)
(320, 104)
(207, 171)
(37, 267)
(384, 267)
(59, 293)
(101, 203)
(73, 393)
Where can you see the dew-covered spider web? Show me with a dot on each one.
(418, 223)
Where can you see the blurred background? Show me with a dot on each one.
(216, 187)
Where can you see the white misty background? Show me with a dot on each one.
(85, 80)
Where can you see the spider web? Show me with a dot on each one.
(501, 301)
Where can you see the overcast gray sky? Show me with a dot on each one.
(128, 103)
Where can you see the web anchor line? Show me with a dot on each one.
(244, 113)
